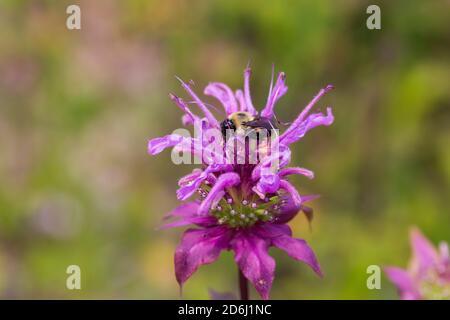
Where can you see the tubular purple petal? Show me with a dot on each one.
(311, 104)
(186, 120)
(247, 96)
(267, 183)
(157, 145)
(224, 181)
(273, 163)
(224, 94)
(296, 170)
(190, 177)
(278, 91)
(182, 105)
(240, 98)
(290, 189)
(313, 120)
(301, 117)
(211, 119)
(188, 189)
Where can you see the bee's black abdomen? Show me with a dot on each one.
(227, 124)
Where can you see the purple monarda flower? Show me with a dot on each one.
(243, 207)
(428, 274)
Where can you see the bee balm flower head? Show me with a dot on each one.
(243, 206)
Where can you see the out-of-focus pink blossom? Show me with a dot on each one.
(428, 274)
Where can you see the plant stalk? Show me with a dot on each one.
(243, 286)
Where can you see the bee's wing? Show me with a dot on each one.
(260, 123)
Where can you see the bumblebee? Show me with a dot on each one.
(243, 123)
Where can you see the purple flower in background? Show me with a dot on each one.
(428, 274)
(243, 207)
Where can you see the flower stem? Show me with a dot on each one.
(243, 286)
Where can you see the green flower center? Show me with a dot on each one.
(244, 213)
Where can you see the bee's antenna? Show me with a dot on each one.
(208, 105)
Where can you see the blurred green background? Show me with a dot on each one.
(77, 108)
